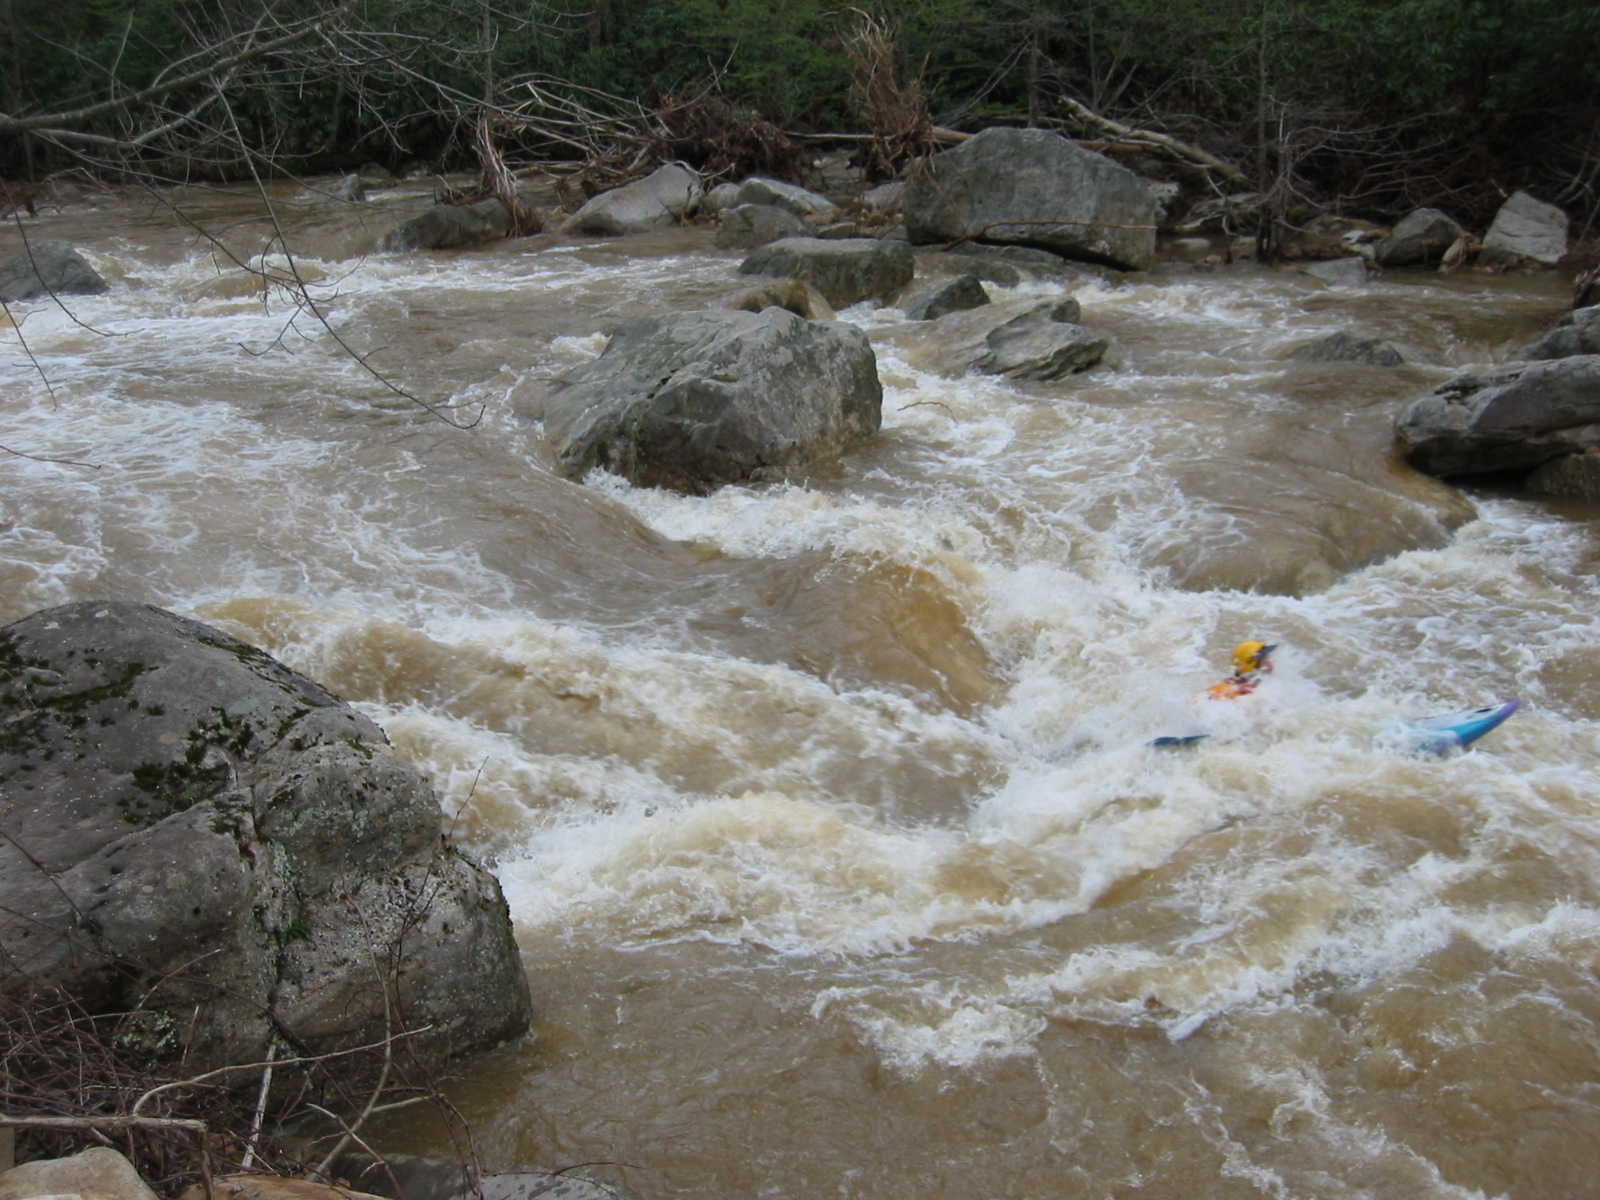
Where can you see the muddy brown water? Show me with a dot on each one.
(837, 857)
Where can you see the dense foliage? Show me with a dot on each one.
(1383, 103)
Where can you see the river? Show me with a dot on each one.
(835, 850)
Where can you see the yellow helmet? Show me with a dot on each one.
(1248, 656)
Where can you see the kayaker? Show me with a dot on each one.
(1251, 660)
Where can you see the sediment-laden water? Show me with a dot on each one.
(836, 853)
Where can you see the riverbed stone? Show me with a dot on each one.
(662, 199)
(1577, 332)
(450, 227)
(196, 831)
(844, 270)
(790, 197)
(1344, 347)
(1525, 230)
(1044, 342)
(48, 266)
(945, 296)
(1420, 239)
(98, 1173)
(1021, 339)
(1572, 476)
(1035, 188)
(696, 400)
(1509, 418)
(794, 295)
(746, 226)
(1340, 272)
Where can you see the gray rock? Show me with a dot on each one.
(195, 829)
(946, 296)
(845, 270)
(1420, 239)
(702, 399)
(1578, 332)
(659, 201)
(748, 225)
(98, 1172)
(787, 196)
(1571, 477)
(1011, 265)
(1340, 272)
(45, 267)
(1035, 188)
(1346, 348)
(1508, 418)
(793, 295)
(450, 227)
(1525, 230)
(351, 188)
(1043, 343)
(885, 198)
(720, 198)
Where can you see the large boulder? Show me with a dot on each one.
(659, 201)
(701, 399)
(1504, 419)
(787, 196)
(844, 270)
(745, 226)
(1034, 188)
(1419, 240)
(48, 267)
(1524, 231)
(1577, 332)
(450, 227)
(98, 1173)
(196, 831)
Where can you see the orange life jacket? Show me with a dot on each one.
(1233, 687)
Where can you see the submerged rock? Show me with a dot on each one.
(1347, 348)
(701, 399)
(195, 830)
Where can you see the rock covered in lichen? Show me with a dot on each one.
(194, 828)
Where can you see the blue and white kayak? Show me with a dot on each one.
(1423, 737)
(1434, 737)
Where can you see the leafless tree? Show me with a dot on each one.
(224, 100)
